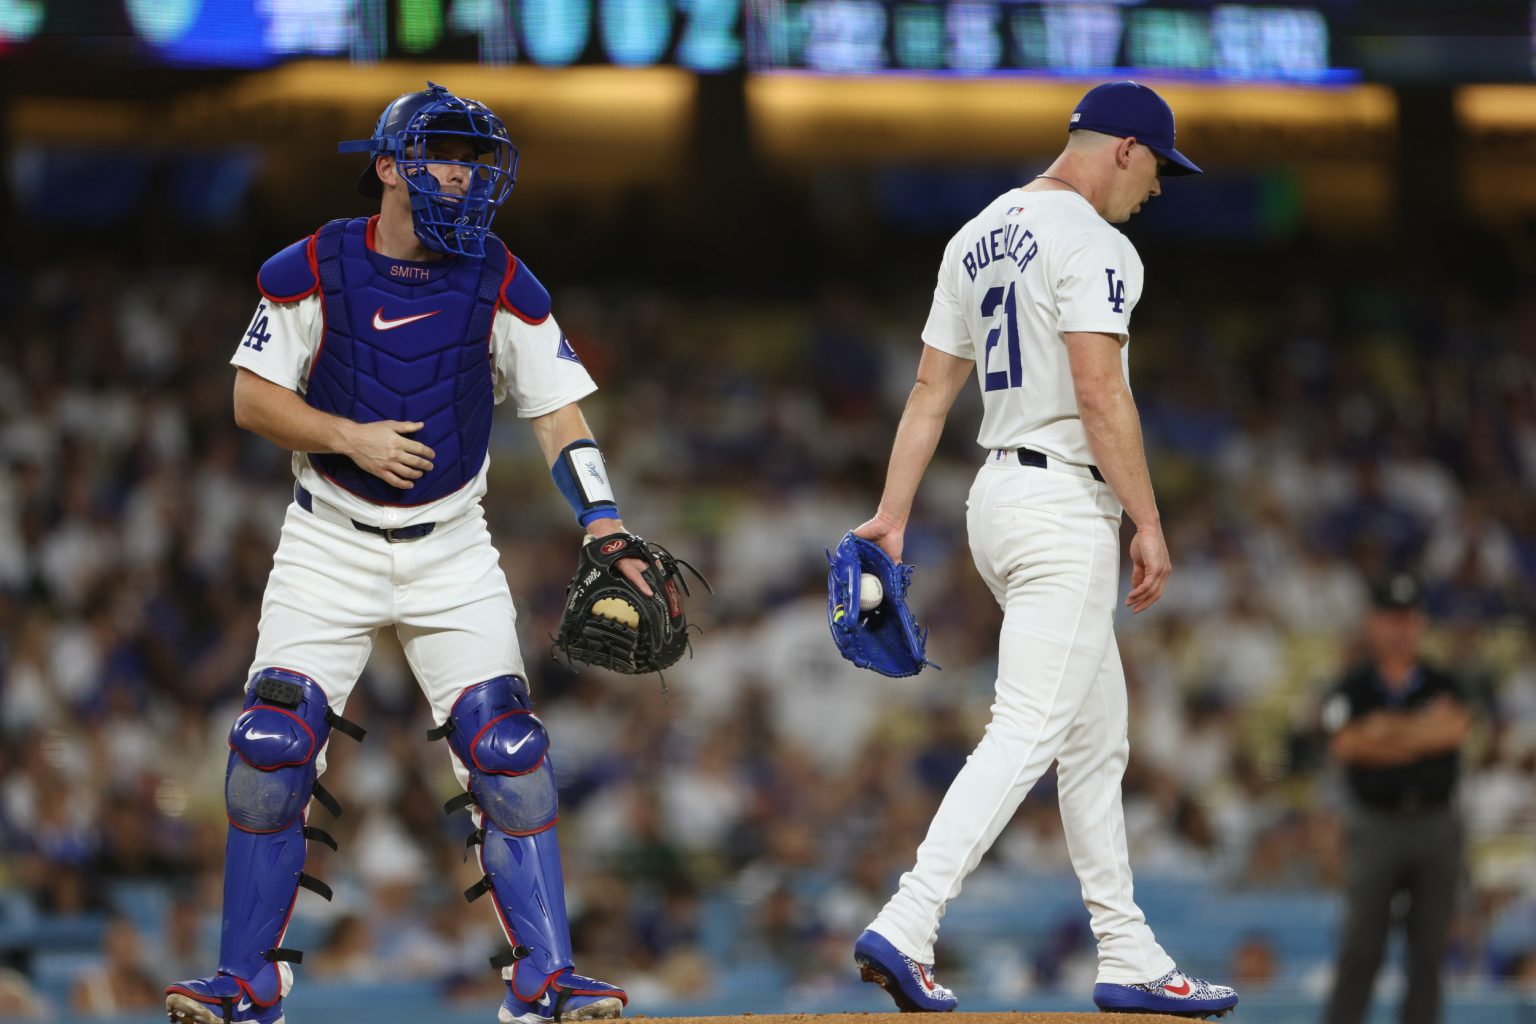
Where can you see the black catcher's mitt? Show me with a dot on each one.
(607, 622)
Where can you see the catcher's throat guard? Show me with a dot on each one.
(887, 638)
(609, 623)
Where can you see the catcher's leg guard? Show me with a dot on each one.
(505, 749)
(271, 775)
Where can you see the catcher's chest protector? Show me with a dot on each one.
(406, 341)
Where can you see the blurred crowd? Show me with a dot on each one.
(1309, 426)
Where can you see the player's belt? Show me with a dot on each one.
(321, 510)
(1039, 460)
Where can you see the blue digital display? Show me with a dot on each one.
(1254, 41)
(702, 35)
(1228, 41)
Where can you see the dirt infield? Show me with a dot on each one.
(1076, 1017)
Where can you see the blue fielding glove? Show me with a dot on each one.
(886, 638)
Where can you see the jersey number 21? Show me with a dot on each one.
(1013, 376)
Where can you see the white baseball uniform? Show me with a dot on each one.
(334, 586)
(1028, 268)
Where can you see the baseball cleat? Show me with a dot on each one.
(217, 1000)
(569, 996)
(1175, 994)
(905, 980)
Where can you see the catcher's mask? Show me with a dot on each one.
(444, 222)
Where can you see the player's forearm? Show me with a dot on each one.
(917, 437)
(553, 431)
(1113, 427)
(940, 376)
(284, 418)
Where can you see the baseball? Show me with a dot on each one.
(870, 591)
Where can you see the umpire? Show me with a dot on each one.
(1397, 725)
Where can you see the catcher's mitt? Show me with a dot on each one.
(886, 638)
(609, 623)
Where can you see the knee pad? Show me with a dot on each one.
(496, 736)
(274, 745)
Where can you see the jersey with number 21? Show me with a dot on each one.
(1028, 269)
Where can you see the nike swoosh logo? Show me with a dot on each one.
(1181, 990)
(380, 324)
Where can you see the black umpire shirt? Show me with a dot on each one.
(1424, 784)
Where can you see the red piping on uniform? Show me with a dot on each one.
(501, 296)
(291, 904)
(285, 764)
(506, 926)
(531, 832)
(255, 831)
(324, 329)
(542, 988)
(303, 821)
(487, 725)
(314, 267)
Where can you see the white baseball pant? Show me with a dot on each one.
(333, 587)
(1047, 543)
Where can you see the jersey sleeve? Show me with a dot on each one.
(947, 328)
(536, 366)
(1098, 284)
(281, 341)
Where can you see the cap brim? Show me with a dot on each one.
(1178, 164)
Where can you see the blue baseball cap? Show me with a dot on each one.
(1130, 109)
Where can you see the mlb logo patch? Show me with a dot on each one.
(565, 351)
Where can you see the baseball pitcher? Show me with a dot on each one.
(377, 354)
(1035, 294)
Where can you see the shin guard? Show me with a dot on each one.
(495, 735)
(272, 773)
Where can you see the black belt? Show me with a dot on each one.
(1030, 457)
(306, 502)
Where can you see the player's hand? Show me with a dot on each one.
(630, 567)
(884, 531)
(384, 449)
(1150, 569)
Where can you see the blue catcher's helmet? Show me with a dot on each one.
(444, 221)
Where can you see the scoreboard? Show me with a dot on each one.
(1256, 41)
(1241, 42)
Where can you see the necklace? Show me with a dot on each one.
(1064, 181)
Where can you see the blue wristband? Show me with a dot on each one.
(582, 479)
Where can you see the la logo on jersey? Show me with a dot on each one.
(1116, 291)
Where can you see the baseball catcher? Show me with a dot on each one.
(379, 351)
(611, 623)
